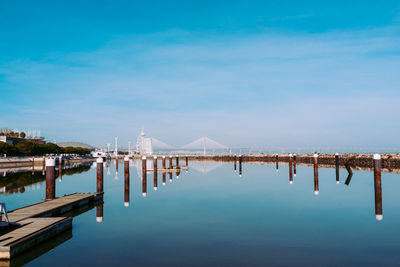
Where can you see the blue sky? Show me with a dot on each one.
(245, 73)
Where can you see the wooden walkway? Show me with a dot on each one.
(34, 224)
(48, 208)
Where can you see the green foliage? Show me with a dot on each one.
(9, 149)
(33, 149)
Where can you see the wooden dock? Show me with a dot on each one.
(33, 224)
(174, 169)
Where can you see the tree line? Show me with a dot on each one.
(26, 148)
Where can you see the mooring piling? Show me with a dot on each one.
(50, 179)
(277, 162)
(378, 186)
(177, 160)
(234, 162)
(99, 166)
(163, 162)
(155, 172)
(316, 185)
(126, 181)
(187, 160)
(170, 162)
(144, 176)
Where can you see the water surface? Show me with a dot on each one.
(212, 216)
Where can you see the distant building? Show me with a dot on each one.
(38, 140)
(144, 144)
(10, 140)
(15, 140)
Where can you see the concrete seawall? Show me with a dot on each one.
(390, 162)
(37, 162)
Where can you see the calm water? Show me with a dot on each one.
(211, 216)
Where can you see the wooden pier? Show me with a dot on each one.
(32, 225)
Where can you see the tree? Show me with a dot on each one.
(9, 149)
(23, 135)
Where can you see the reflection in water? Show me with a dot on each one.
(348, 168)
(144, 176)
(294, 164)
(99, 213)
(277, 162)
(155, 170)
(205, 166)
(116, 169)
(316, 185)
(126, 182)
(337, 167)
(240, 165)
(164, 178)
(38, 251)
(378, 187)
(290, 169)
(234, 163)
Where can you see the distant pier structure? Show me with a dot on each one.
(144, 145)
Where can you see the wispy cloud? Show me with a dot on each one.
(239, 89)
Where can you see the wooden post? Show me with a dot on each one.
(50, 179)
(126, 182)
(337, 167)
(187, 160)
(316, 185)
(277, 162)
(177, 160)
(155, 170)
(100, 180)
(163, 162)
(290, 169)
(378, 186)
(170, 162)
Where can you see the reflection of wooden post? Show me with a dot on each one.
(316, 185)
(126, 182)
(337, 167)
(99, 213)
(240, 165)
(170, 177)
(99, 162)
(144, 176)
(155, 172)
(50, 179)
(290, 168)
(277, 162)
(234, 162)
(33, 165)
(187, 161)
(294, 164)
(378, 186)
(163, 178)
(60, 169)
